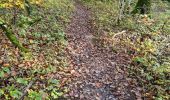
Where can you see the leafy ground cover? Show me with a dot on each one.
(110, 53)
(31, 75)
(145, 38)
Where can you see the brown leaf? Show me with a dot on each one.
(1, 61)
(75, 73)
(64, 81)
(21, 65)
(6, 65)
(13, 73)
(98, 85)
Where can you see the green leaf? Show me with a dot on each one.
(22, 81)
(1, 92)
(149, 77)
(55, 94)
(1, 21)
(54, 81)
(22, 32)
(6, 69)
(49, 87)
(15, 93)
(33, 95)
(2, 74)
(139, 60)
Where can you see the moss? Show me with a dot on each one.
(12, 37)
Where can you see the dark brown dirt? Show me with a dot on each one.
(97, 74)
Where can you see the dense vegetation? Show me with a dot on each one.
(40, 38)
(33, 42)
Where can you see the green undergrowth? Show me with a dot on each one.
(148, 43)
(150, 63)
(43, 34)
(104, 13)
(145, 38)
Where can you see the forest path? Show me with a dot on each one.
(95, 75)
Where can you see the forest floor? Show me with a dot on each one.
(79, 51)
(97, 73)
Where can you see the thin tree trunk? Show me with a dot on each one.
(121, 10)
(12, 37)
(14, 16)
(142, 7)
(27, 7)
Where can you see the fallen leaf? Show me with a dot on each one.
(75, 73)
(21, 65)
(1, 61)
(6, 65)
(13, 73)
(98, 85)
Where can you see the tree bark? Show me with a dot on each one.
(10, 35)
(27, 7)
(142, 7)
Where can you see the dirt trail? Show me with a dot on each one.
(95, 72)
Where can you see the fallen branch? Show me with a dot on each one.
(119, 33)
(10, 35)
(26, 89)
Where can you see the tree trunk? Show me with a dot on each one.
(142, 7)
(12, 37)
(27, 7)
(121, 4)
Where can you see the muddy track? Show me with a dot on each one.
(96, 75)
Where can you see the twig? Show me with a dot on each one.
(25, 90)
(119, 33)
